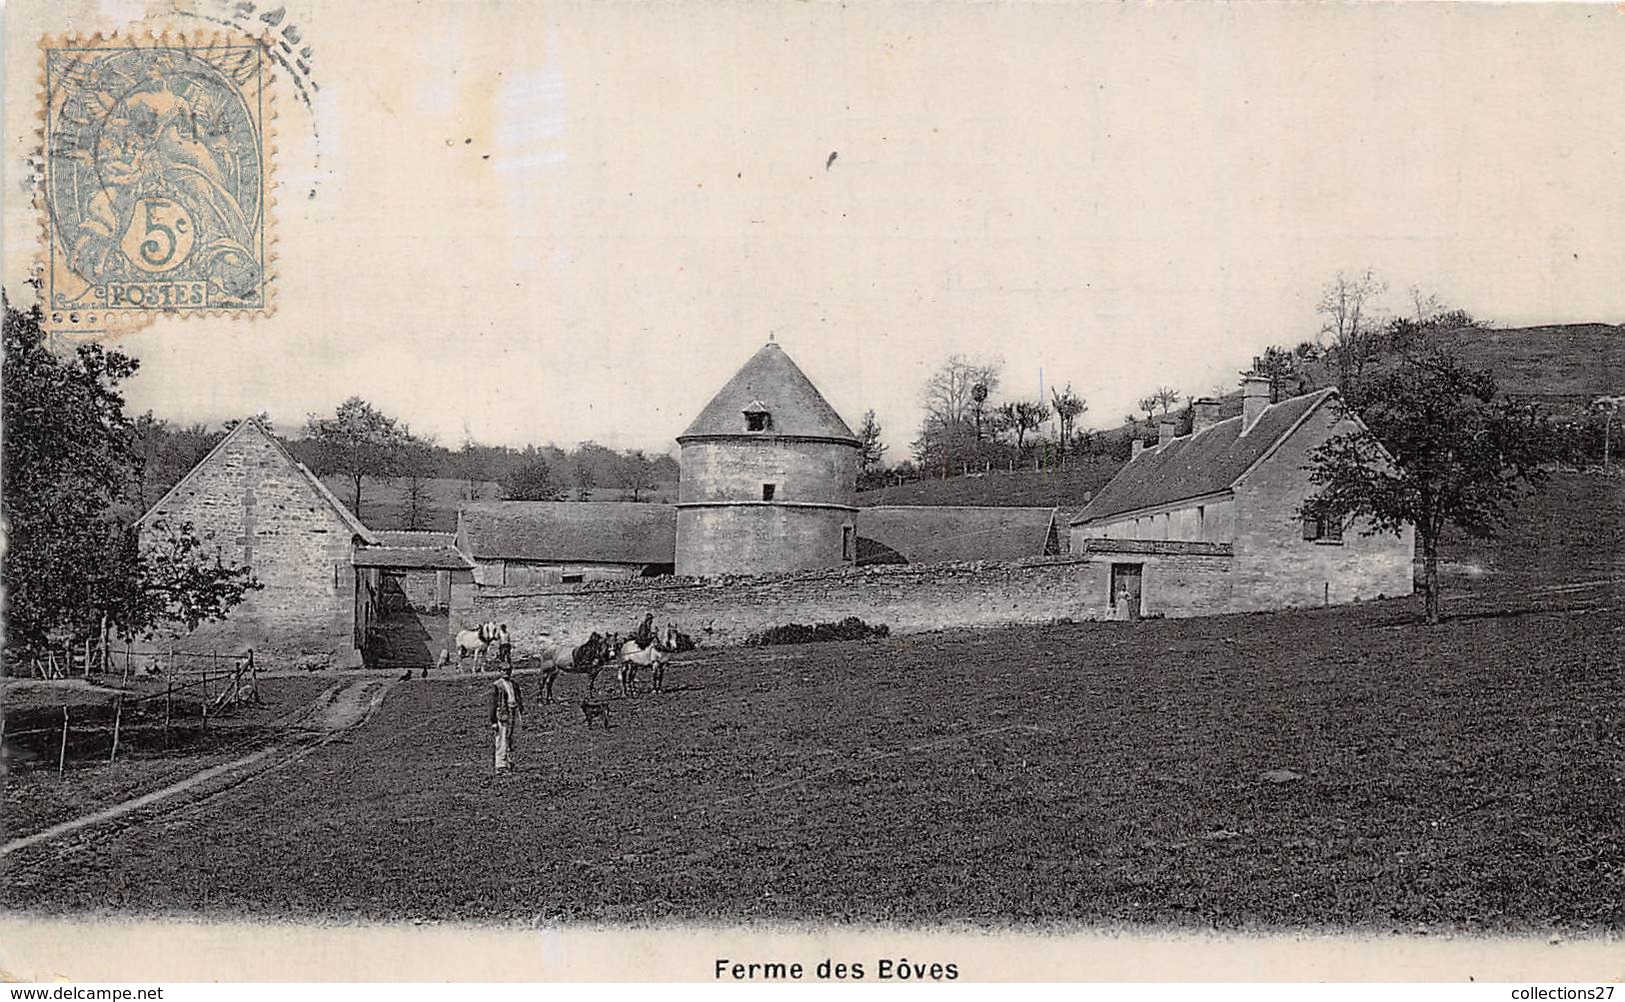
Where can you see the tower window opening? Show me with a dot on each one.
(758, 420)
(768, 490)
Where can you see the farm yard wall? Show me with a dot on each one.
(904, 598)
(500, 572)
(253, 506)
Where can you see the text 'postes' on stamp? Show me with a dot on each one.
(156, 179)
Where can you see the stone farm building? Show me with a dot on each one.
(253, 505)
(565, 542)
(1210, 522)
(766, 531)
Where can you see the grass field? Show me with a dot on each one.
(1339, 767)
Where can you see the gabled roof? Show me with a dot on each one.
(1208, 462)
(924, 534)
(413, 550)
(251, 425)
(770, 381)
(610, 532)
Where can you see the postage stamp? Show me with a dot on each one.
(157, 179)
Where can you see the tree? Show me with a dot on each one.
(1023, 416)
(1438, 448)
(1148, 407)
(74, 560)
(1068, 408)
(871, 449)
(1280, 367)
(1166, 399)
(357, 441)
(1349, 318)
(950, 395)
(531, 480)
(636, 473)
(978, 405)
(418, 461)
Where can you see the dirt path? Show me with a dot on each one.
(339, 709)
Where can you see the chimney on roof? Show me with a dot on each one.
(1204, 414)
(1165, 431)
(1255, 396)
(1137, 448)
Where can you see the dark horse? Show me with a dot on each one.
(587, 658)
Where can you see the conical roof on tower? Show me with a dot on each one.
(770, 382)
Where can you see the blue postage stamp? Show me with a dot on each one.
(156, 179)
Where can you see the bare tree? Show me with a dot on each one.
(950, 394)
(1166, 397)
(1069, 407)
(1349, 318)
(872, 448)
(417, 469)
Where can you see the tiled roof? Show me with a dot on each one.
(611, 532)
(1204, 463)
(925, 534)
(772, 381)
(438, 558)
(415, 537)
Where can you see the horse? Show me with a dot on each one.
(475, 642)
(587, 658)
(654, 656)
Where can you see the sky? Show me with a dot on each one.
(523, 222)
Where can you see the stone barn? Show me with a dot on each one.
(1209, 522)
(925, 534)
(255, 506)
(769, 477)
(565, 542)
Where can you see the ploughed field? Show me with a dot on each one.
(1332, 767)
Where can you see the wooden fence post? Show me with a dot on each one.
(126, 663)
(169, 695)
(118, 718)
(62, 753)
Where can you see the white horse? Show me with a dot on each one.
(654, 656)
(475, 642)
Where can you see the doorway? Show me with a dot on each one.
(1125, 591)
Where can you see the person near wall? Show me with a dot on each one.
(507, 709)
(504, 646)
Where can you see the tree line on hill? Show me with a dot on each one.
(359, 443)
(969, 428)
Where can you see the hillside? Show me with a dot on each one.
(1071, 487)
(1562, 365)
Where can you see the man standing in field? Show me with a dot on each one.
(507, 709)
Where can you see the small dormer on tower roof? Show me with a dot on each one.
(758, 417)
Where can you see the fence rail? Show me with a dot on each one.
(234, 683)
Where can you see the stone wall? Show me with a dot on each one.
(1178, 578)
(906, 598)
(253, 506)
(1276, 568)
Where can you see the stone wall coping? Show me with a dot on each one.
(831, 574)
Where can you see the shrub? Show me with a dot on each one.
(850, 628)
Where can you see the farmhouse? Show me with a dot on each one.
(253, 505)
(565, 542)
(1210, 522)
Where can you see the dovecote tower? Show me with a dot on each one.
(769, 476)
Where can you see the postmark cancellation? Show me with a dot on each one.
(156, 192)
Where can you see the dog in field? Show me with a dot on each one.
(595, 711)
